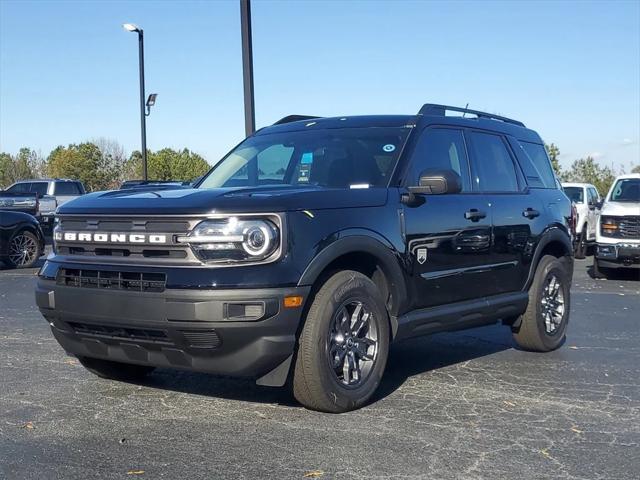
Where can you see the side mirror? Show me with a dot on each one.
(437, 182)
(598, 204)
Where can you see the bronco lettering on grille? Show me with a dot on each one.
(110, 237)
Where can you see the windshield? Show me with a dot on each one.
(334, 158)
(575, 194)
(626, 190)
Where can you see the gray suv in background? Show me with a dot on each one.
(52, 193)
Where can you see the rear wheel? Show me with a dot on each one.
(24, 250)
(544, 323)
(115, 370)
(343, 346)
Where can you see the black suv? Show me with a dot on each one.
(312, 246)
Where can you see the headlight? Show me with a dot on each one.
(234, 239)
(608, 225)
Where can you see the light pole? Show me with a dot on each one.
(130, 27)
(247, 67)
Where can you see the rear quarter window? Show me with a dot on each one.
(538, 159)
(67, 188)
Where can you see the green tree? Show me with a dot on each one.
(636, 169)
(83, 162)
(26, 164)
(587, 170)
(554, 156)
(167, 164)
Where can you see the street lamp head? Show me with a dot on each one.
(130, 27)
(151, 101)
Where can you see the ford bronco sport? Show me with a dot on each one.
(313, 245)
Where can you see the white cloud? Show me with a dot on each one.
(596, 155)
(628, 141)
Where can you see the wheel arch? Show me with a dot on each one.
(372, 256)
(555, 242)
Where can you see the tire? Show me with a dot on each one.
(598, 271)
(537, 331)
(24, 250)
(115, 370)
(581, 244)
(347, 325)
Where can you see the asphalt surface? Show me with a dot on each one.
(460, 405)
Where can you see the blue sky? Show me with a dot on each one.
(68, 71)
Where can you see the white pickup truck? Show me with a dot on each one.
(587, 200)
(618, 231)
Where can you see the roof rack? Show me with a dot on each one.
(294, 118)
(440, 110)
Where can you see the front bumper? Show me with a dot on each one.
(616, 255)
(201, 330)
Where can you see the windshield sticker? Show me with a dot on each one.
(389, 148)
(307, 158)
(304, 172)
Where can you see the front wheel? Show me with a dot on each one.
(24, 250)
(544, 323)
(343, 346)
(115, 370)
(580, 251)
(598, 271)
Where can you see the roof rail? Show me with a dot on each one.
(440, 110)
(294, 118)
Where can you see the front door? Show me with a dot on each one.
(447, 237)
(592, 213)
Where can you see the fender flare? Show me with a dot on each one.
(553, 234)
(359, 242)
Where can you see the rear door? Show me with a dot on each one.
(517, 213)
(447, 237)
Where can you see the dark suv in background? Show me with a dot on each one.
(312, 246)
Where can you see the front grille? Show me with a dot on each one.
(124, 225)
(100, 279)
(120, 333)
(117, 252)
(629, 227)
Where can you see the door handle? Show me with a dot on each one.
(531, 213)
(474, 215)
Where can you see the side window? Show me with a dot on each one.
(538, 156)
(441, 148)
(39, 187)
(19, 188)
(493, 168)
(67, 188)
(594, 194)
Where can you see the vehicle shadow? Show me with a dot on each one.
(617, 273)
(407, 359)
(35, 268)
(428, 354)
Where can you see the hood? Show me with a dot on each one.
(620, 208)
(221, 200)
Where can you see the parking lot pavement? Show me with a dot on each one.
(459, 405)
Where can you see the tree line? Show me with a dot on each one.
(100, 164)
(103, 164)
(586, 170)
